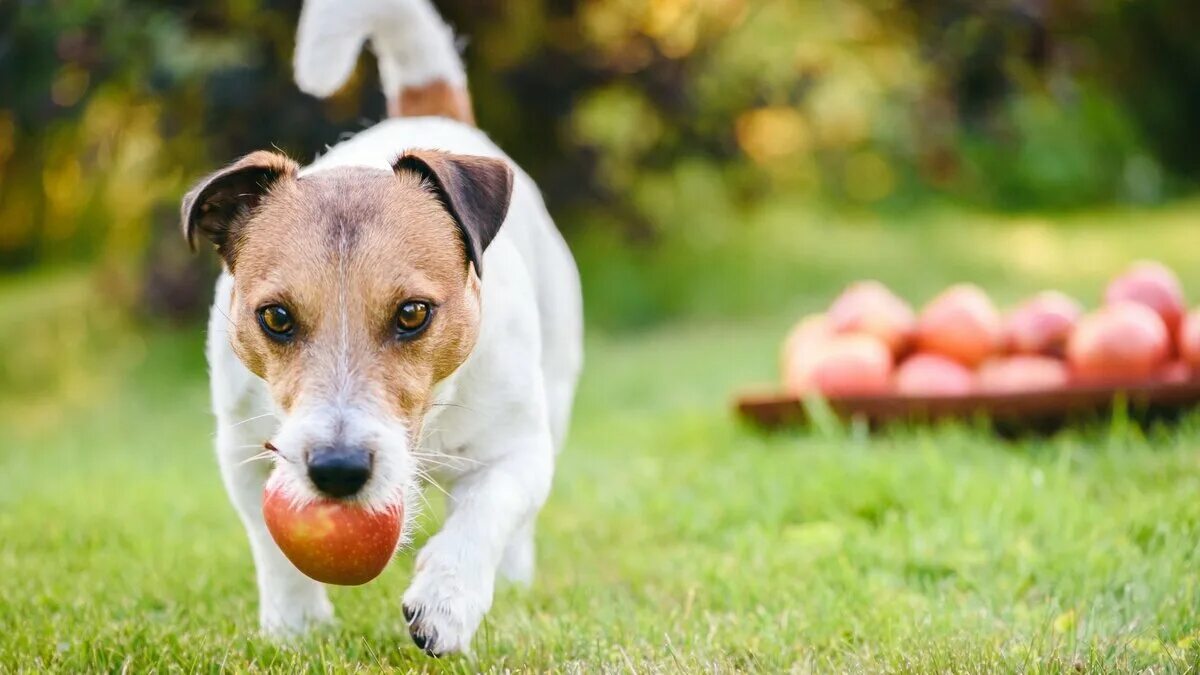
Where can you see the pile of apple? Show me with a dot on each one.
(871, 342)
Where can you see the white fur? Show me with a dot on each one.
(499, 420)
(412, 44)
(491, 438)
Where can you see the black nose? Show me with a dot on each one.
(339, 471)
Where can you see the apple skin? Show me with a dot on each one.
(844, 365)
(960, 323)
(1022, 372)
(1122, 342)
(1175, 372)
(872, 308)
(1152, 284)
(1042, 324)
(1189, 338)
(803, 341)
(332, 541)
(933, 375)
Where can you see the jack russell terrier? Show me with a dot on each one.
(401, 308)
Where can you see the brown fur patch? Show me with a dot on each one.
(342, 249)
(475, 190)
(438, 98)
(217, 205)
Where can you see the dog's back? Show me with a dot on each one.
(425, 84)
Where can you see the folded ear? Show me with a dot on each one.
(218, 205)
(475, 190)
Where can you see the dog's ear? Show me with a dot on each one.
(475, 190)
(217, 205)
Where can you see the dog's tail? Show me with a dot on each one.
(419, 65)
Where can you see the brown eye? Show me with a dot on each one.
(277, 322)
(412, 317)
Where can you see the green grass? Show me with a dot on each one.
(676, 538)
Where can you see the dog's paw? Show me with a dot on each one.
(446, 601)
(284, 624)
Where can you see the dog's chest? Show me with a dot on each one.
(447, 432)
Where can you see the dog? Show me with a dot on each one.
(402, 308)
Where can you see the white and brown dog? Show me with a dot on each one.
(402, 307)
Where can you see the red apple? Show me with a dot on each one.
(803, 340)
(1122, 342)
(1022, 372)
(1152, 284)
(843, 365)
(331, 541)
(1175, 372)
(1042, 324)
(961, 323)
(1189, 338)
(933, 375)
(870, 307)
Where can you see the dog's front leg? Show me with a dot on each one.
(456, 570)
(289, 602)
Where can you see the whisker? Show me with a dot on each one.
(420, 526)
(443, 455)
(433, 464)
(430, 457)
(228, 320)
(441, 461)
(266, 454)
(450, 461)
(426, 434)
(447, 404)
(280, 456)
(425, 501)
(251, 419)
(429, 479)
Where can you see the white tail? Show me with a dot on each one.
(412, 43)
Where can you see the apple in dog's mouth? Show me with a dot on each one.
(332, 541)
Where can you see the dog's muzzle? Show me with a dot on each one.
(339, 471)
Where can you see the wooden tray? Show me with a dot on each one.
(1044, 410)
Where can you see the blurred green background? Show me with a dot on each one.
(696, 153)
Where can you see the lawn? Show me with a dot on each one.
(676, 538)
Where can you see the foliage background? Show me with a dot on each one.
(693, 151)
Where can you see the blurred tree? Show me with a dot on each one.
(654, 119)
(1147, 55)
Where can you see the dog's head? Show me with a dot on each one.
(356, 291)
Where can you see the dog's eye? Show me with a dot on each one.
(412, 317)
(277, 322)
